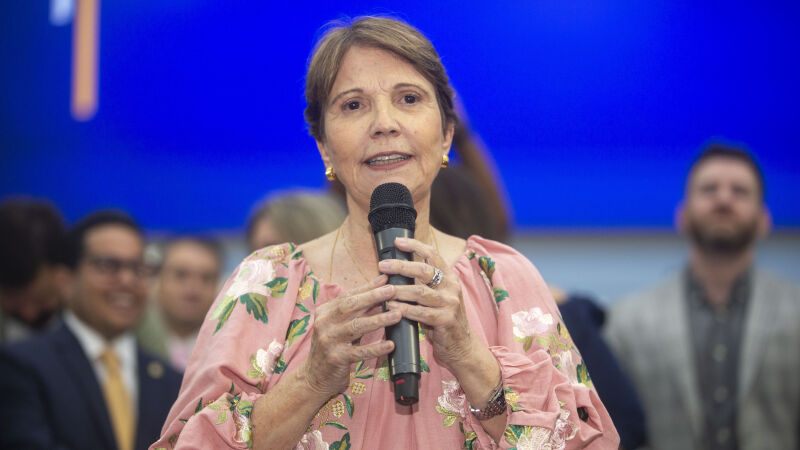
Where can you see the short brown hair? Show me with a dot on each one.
(385, 33)
(729, 151)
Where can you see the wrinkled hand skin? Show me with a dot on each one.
(439, 310)
(338, 327)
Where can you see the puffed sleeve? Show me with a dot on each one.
(241, 351)
(552, 403)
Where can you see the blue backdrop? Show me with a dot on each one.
(593, 111)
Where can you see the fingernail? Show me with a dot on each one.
(395, 315)
(400, 240)
(384, 265)
(386, 290)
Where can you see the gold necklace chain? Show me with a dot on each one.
(353, 260)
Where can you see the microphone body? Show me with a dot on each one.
(392, 215)
(404, 365)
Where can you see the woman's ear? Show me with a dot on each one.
(323, 153)
(448, 137)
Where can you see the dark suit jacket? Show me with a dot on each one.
(50, 397)
(584, 320)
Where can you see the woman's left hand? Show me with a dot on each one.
(439, 310)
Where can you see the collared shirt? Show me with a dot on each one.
(717, 332)
(179, 349)
(94, 344)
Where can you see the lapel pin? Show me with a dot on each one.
(155, 369)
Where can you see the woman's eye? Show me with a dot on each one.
(352, 105)
(409, 98)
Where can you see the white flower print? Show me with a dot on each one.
(453, 399)
(312, 441)
(529, 323)
(251, 278)
(266, 359)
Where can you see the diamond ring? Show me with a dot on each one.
(437, 278)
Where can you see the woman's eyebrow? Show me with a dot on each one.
(407, 85)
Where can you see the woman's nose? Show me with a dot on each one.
(384, 122)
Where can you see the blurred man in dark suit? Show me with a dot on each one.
(87, 385)
(31, 267)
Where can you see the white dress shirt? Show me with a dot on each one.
(94, 344)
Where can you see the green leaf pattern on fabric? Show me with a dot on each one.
(488, 266)
(254, 282)
(297, 328)
(512, 399)
(343, 444)
(277, 287)
(256, 305)
(470, 437)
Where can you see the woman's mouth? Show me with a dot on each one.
(383, 160)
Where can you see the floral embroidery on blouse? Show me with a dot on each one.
(333, 412)
(533, 325)
(487, 266)
(228, 406)
(260, 286)
(528, 324)
(539, 438)
(254, 282)
(453, 405)
(264, 363)
(312, 441)
(309, 288)
(512, 399)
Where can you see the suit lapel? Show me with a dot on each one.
(79, 369)
(760, 314)
(150, 373)
(682, 364)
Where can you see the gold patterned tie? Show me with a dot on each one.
(118, 401)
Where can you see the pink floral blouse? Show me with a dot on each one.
(258, 329)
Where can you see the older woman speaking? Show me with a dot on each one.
(293, 353)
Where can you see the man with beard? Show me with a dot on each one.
(714, 351)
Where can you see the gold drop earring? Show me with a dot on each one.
(330, 174)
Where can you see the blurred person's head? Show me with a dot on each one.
(460, 208)
(109, 277)
(723, 210)
(32, 273)
(187, 283)
(294, 216)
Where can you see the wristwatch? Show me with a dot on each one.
(496, 405)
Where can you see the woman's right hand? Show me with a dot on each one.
(338, 326)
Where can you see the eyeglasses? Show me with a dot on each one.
(108, 265)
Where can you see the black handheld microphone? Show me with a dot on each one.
(392, 215)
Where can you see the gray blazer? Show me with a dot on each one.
(649, 333)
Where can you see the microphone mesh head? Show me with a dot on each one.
(391, 206)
